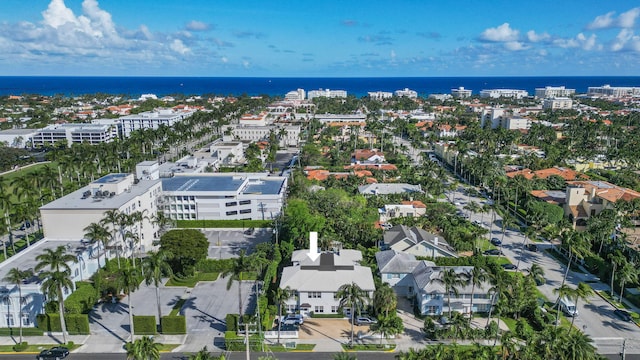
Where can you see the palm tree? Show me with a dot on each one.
(113, 218)
(154, 266)
(354, 297)
(16, 276)
(628, 274)
(280, 298)
(477, 276)
(536, 272)
(240, 265)
(577, 345)
(451, 281)
(577, 244)
(130, 278)
(97, 233)
(344, 356)
(385, 327)
(385, 300)
(616, 259)
(584, 292)
(57, 277)
(144, 348)
(563, 291)
(204, 354)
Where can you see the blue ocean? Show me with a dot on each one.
(135, 86)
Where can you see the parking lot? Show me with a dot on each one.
(227, 243)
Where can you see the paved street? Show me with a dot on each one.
(595, 318)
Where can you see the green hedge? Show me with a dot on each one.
(232, 322)
(233, 342)
(77, 324)
(173, 325)
(214, 265)
(326, 316)
(144, 324)
(28, 331)
(81, 301)
(239, 224)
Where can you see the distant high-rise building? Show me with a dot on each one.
(461, 93)
(554, 92)
(613, 91)
(379, 95)
(327, 93)
(295, 95)
(504, 93)
(407, 92)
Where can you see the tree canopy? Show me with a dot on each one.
(188, 247)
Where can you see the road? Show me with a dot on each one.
(229, 356)
(595, 317)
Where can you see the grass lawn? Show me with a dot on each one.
(176, 308)
(369, 347)
(192, 280)
(35, 348)
(168, 347)
(299, 347)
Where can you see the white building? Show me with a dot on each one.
(504, 93)
(461, 93)
(515, 123)
(327, 93)
(406, 92)
(153, 119)
(440, 97)
(558, 103)
(613, 91)
(223, 196)
(75, 134)
(405, 209)
(337, 118)
(254, 119)
(289, 135)
(554, 92)
(380, 95)
(492, 116)
(296, 95)
(227, 152)
(315, 283)
(18, 138)
(64, 219)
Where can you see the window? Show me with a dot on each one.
(245, 202)
(432, 310)
(245, 211)
(314, 295)
(319, 309)
(232, 203)
(10, 321)
(334, 309)
(26, 321)
(232, 213)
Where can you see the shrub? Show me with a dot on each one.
(82, 300)
(77, 324)
(173, 325)
(28, 331)
(20, 347)
(232, 322)
(214, 265)
(233, 342)
(144, 324)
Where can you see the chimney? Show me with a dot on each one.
(435, 241)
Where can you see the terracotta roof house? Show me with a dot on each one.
(566, 173)
(588, 198)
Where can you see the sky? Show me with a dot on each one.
(321, 38)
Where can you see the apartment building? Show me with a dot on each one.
(461, 93)
(380, 95)
(613, 91)
(295, 95)
(289, 135)
(326, 93)
(557, 103)
(75, 134)
(503, 93)
(588, 198)
(406, 92)
(553, 92)
(153, 119)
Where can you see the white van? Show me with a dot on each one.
(568, 307)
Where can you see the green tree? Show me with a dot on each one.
(344, 356)
(352, 296)
(57, 277)
(536, 272)
(130, 278)
(477, 276)
(16, 276)
(204, 354)
(240, 266)
(451, 281)
(628, 274)
(563, 291)
(582, 292)
(154, 267)
(188, 246)
(97, 233)
(385, 300)
(144, 348)
(280, 298)
(386, 326)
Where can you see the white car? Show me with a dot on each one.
(293, 319)
(365, 320)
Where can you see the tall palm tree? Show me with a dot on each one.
(354, 297)
(477, 276)
(99, 234)
(16, 276)
(112, 218)
(240, 266)
(57, 277)
(280, 298)
(130, 278)
(154, 267)
(577, 244)
(204, 354)
(451, 281)
(384, 300)
(563, 291)
(616, 259)
(577, 345)
(584, 292)
(144, 348)
(628, 274)
(536, 272)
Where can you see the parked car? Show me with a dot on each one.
(365, 320)
(293, 319)
(55, 353)
(493, 252)
(622, 314)
(532, 247)
(249, 231)
(509, 267)
(496, 241)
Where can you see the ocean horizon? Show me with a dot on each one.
(134, 86)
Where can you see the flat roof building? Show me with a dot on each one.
(553, 92)
(327, 93)
(461, 93)
(505, 93)
(153, 119)
(75, 134)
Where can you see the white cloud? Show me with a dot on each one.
(392, 54)
(625, 20)
(533, 37)
(580, 41)
(195, 25)
(514, 46)
(502, 33)
(626, 40)
(178, 46)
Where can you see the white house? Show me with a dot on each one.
(404, 209)
(417, 242)
(316, 282)
(389, 188)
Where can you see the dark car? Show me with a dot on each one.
(509, 266)
(496, 241)
(532, 247)
(493, 252)
(55, 353)
(249, 231)
(622, 314)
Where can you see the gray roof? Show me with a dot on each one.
(74, 200)
(427, 276)
(18, 131)
(416, 235)
(344, 257)
(229, 184)
(391, 261)
(385, 189)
